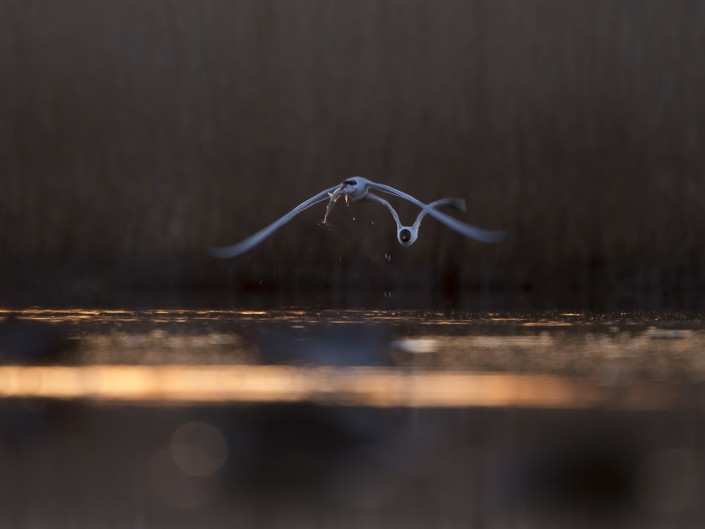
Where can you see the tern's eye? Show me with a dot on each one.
(350, 182)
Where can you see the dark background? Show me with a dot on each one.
(134, 134)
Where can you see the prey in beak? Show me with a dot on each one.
(334, 196)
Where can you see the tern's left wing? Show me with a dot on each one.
(457, 203)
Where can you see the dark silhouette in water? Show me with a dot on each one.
(30, 342)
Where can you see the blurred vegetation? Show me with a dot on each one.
(134, 134)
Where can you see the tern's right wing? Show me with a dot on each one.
(253, 240)
(382, 201)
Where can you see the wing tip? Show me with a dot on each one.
(221, 253)
(496, 236)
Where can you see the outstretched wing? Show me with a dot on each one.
(457, 203)
(472, 232)
(382, 201)
(253, 240)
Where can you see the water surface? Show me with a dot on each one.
(321, 418)
(356, 357)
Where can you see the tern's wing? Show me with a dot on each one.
(457, 203)
(379, 199)
(254, 240)
(472, 232)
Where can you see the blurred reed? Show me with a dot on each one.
(135, 134)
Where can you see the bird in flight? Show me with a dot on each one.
(407, 235)
(355, 189)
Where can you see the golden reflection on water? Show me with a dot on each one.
(560, 360)
(382, 387)
(546, 324)
(343, 316)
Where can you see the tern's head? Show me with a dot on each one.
(407, 236)
(355, 187)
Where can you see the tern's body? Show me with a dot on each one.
(358, 188)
